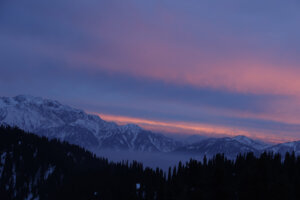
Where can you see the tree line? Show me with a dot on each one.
(33, 167)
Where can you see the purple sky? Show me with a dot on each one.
(196, 67)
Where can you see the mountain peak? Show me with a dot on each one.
(49, 118)
(26, 97)
(250, 142)
(242, 138)
(132, 127)
(35, 100)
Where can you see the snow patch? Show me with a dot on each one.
(2, 163)
(49, 172)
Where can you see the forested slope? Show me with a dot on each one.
(32, 167)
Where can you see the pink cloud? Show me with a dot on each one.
(190, 52)
(157, 60)
(199, 128)
(170, 45)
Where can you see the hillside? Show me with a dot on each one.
(32, 167)
(37, 168)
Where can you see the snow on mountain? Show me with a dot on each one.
(231, 147)
(51, 119)
(236, 145)
(259, 145)
(285, 147)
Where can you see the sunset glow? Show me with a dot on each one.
(191, 128)
(194, 67)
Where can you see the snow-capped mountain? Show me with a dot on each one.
(285, 147)
(259, 145)
(51, 119)
(231, 147)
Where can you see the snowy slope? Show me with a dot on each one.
(285, 147)
(51, 119)
(236, 145)
(259, 145)
(230, 147)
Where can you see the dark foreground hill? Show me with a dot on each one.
(32, 167)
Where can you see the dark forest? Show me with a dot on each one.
(33, 167)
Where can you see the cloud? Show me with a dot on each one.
(198, 128)
(230, 64)
(226, 46)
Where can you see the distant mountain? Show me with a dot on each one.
(49, 118)
(285, 147)
(230, 147)
(258, 145)
(194, 138)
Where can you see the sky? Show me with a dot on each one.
(209, 67)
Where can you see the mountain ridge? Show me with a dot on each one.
(52, 119)
(49, 118)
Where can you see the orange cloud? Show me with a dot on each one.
(186, 65)
(195, 128)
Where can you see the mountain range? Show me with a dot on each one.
(50, 118)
